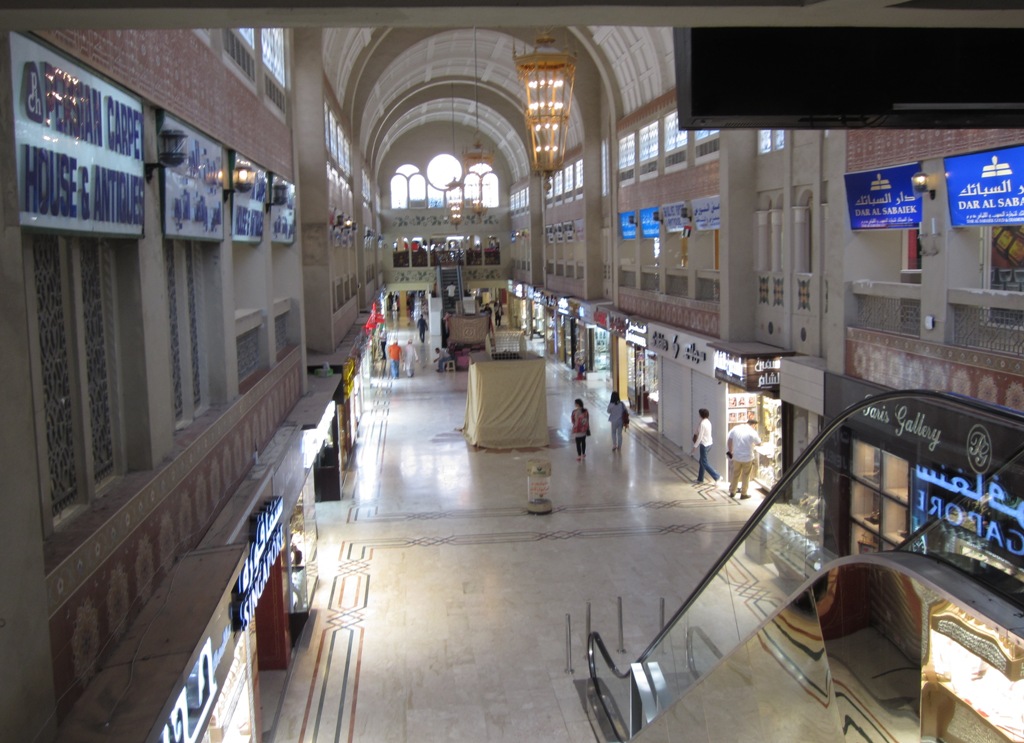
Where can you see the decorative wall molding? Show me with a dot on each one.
(686, 314)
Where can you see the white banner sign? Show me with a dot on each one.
(78, 143)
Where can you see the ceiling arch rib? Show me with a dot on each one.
(449, 56)
(505, 142)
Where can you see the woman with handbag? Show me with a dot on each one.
(580, 429)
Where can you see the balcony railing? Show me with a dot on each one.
(989, 320)
(708, 286)
(677, 284)
(649, 279)
(888, 306)
(627, 277)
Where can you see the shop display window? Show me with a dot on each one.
(878, 498)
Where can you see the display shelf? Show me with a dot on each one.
(895, 477)
(863, 540)
(878, 496)
(866, 463)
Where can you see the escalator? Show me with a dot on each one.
(876, 595)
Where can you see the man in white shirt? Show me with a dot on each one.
(741, 442)
(702, 440)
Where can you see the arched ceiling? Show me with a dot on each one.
(392, 81)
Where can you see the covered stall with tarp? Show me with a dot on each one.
(506, 403)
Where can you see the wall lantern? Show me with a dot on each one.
(170, 151)
(921, 183)
(242, 176)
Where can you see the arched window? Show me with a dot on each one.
(489, 184)
(417, 191)
(399, 192)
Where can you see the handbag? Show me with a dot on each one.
(625, 417)
(588, 430)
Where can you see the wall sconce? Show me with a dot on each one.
(242, 176)
(279, 192)
(657, 215)
(632, 219)
(170, 151)
(920, 182)
(684, 212)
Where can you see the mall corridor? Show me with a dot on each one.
(440, 613)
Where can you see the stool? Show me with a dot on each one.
(449, 366)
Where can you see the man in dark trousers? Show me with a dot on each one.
(421, 325)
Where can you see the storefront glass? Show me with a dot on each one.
(232, 720)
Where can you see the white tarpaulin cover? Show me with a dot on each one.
(506, 403)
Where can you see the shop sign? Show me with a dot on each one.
(78, 146)
(966, 502)
(752, 373)
(282, 216)
(519, 291)
(187, 721)
(601, 319)
(695, 355)
(617, 324)
(707, 213)
(627, 225)
(193, 193)
(636, 333)
(266, 539)
(563, 306)
(660, 342)
(313, 438)
(883, 198)
(649, 225)
(247, 208)
(986, 187)
(672, 217)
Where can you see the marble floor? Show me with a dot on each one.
(441, 609)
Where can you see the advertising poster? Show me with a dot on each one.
(986, 187)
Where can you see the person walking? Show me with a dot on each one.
(580, 429)
(497, 314)
(741, 442)
(395, 356)
(421, 325)
(702, 440)
(409, 357)
(617, 416)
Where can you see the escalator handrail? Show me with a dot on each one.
(781, 486)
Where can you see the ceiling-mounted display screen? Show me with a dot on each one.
(812, 78)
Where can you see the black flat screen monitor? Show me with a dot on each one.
(816, 78)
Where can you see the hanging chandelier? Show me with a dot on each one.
(547, 76)
(453, 191)
(477, 161)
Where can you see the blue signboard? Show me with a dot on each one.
(883, 199)
(649, 226)
(986, 187)
(627, 225)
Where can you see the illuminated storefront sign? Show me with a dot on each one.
(636, 333)
(266, 539)
(752, 373)
(983, 508)
(883, 198)
(563, 306)
(187, 721)
(78, 146)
